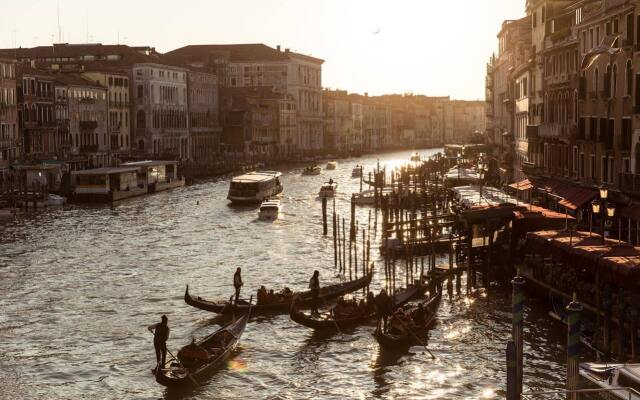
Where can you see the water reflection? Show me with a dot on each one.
(81, 284)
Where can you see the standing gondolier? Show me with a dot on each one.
(237, 283)
(383, 308)
(160, 336)
(314, 286)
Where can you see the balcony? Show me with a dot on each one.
(533, 132)
(629, 183)
(550, 130)
(89, 125)
(89, 148)
(530, 169)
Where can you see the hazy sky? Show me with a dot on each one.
(432, 47)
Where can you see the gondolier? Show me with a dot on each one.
(314, 286)
(160, 336)
(383, 308)
(237, 283)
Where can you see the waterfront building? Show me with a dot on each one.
(159, 106)
(36, 112)
(9, 133)
(203, 106)
(118, 104)
(82, 131)
(256, 65)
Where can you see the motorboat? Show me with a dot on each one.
(255, 187)
(312, 170)
(614, 378)
(332, 165)
(357, 171)
(415, 157)
(328, 190)
(269, 209)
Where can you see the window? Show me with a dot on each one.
(581, 165)
(140, 92)
(605, 169)
(595, 81)
(535, 19)
(593, 167)
(614, 80)
(629, 78)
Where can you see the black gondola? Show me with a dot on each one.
(394, 341)
(325, 321)
(327, 293)
(187, 370)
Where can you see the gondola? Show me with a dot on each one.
(210, 353)
(325, 321)
(396, 341)
(327, 293)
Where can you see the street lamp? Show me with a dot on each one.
(603, 207)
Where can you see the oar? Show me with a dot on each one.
(176, 358)
(332, 319)
(417, 338)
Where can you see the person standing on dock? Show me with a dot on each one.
(237, 283)
(160, 336)
(314, 285)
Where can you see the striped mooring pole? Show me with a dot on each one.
(573, 347)
(517, 316)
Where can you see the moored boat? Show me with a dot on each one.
(312, 170)
(269, 209)
(332, 165)
(356, 172)
(614, 378)
(326, 321)
(402, 339)
(283, 303)
(328, 190)
(204, 356)
(255, 187)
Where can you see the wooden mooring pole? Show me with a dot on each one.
(324, 216)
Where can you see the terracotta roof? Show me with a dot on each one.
(522, 185)
(239, 52)
(76, 80)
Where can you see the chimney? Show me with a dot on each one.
(366, 94)
(278, 48)
(286, 51)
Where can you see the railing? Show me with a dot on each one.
(89, 148)
(581, 393)
(629, 183)
(88, 124)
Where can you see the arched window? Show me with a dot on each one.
(614, 80)
(595, 81)
(629, 78)
(141, 145)
(141, 120)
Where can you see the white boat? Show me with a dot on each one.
(255, 187)
(269, 209)
(312, 170)
(357, 171)
(328, 190)
(332, 165)
(415, 157)
(615, 378)
(55, 200)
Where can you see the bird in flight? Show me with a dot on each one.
(377, 31)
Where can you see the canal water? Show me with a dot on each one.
(81, 284)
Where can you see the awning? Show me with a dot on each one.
(573, 197)
(522, 185)
(632, 211)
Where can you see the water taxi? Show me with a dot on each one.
(357, 171)
(615, 378)
(328, 190)
(332, 165)
(312, 170)
(255, 187)
(365, 198)
(269, 210)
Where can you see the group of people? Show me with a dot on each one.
(404, 321)
(349, 307)
(271, 297)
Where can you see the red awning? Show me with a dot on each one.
(574, 197)
(522, 185)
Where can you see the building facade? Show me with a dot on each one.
(9, 133)
(204, 124)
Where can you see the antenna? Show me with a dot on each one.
(59, 27)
